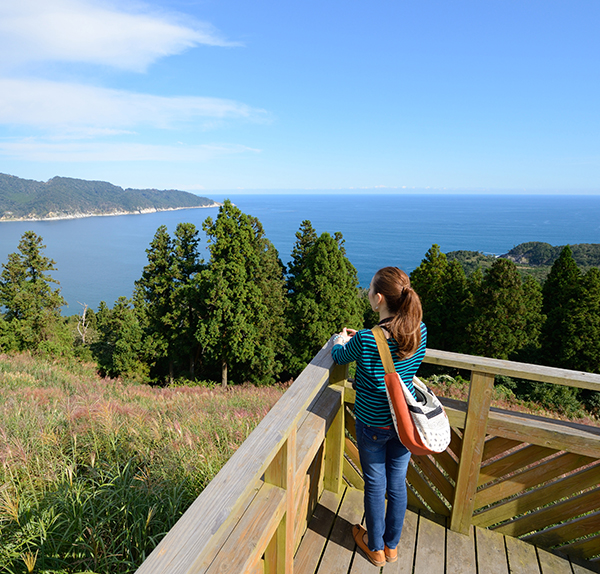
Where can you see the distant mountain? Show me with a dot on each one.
(532, 258)
(68, 198)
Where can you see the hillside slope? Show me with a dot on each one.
(64, 198)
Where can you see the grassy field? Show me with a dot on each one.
(93, 472)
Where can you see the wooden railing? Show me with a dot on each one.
(523, 475)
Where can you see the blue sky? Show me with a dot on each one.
(404, 95)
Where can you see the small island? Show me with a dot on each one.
(68, 198)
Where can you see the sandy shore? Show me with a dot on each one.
(58, 216)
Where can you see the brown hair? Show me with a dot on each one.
(404, 303)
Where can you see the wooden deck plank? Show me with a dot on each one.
(406, 547)
(340, 548)
(460, 552)
(553, 564)
(522, 558)
(430, 554)
(491, 554)
(316, 536)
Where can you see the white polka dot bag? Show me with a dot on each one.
(422, 424)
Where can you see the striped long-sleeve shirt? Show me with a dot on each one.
(372, 407)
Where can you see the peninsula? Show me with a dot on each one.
(68, 198)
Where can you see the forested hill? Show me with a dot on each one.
(65, 198)
(532, 258)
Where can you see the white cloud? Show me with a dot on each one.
(73, 108)
(33, 150)
(95, 32)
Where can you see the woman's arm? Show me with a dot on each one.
(350, 351)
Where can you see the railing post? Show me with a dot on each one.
(279, 555)
(480, 398)
(334, 441)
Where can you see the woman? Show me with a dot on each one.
(383, 458)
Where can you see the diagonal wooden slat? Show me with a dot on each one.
(414, 502)
(435, 476)
(553, 514)
(584, 549)
(571, 530)
(426, 492)
(450, 466)
(542, 473)
(513, 463)
(495, 446)
(455, 445)
(539, 497)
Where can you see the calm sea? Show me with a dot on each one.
(99, 258)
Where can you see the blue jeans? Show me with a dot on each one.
(384, 460)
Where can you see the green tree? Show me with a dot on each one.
(153, 296)
(187, 299)
(32, 305)
(323, 294)
(120, 350)
(240, 327)
(445, 296)
(167, 301)
(507, 317)
(560, 293)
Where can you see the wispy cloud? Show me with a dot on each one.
(88, 31)
(33, 150)
(76, 108)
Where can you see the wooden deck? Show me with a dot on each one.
(426, 547)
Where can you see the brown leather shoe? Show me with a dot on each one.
(391, 554)
(377, 557)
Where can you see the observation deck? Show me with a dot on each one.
(513, 493)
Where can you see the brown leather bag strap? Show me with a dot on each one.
(384, 350)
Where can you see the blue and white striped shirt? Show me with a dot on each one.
(372, 407)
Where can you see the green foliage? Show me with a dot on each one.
(323, 294)
(507, 316)
(445, 297)
(242, 327)
(121, 349)
(32, 305)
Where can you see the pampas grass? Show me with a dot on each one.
(93, 472)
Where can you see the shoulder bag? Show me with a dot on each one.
(422, 425)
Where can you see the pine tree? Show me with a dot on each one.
(187, 263)
(240, 326)
(445, 296)
(323, 294)
(153, 298)
(560, 293)
(120, 349)
(429, 281)
(32, 305)
(582, 327)
(505, 320)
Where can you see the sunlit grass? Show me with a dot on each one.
(93, 472)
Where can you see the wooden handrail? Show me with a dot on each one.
(191, 545)
(527, 371)
(252, 515)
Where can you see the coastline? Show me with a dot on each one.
(59, 217)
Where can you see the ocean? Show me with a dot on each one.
(99, 258)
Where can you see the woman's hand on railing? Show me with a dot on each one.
(344, 336)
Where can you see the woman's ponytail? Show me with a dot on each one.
(401, 300)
